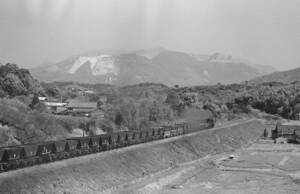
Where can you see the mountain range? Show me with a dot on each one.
(288, 76)
(156, 65)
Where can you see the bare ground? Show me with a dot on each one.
(250, 172)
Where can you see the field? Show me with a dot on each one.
(262, 168)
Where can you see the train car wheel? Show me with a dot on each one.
(12, 166)
(17, 165)
(6, 167)
(2, 168)
(23, 164)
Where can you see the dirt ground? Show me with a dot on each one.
(262, 168)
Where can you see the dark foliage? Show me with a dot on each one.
(15, 81)
(119, 119)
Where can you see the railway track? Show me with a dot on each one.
(21, 156)
(117, 169)
(48, 152)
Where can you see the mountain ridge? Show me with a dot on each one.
(279, 76)
(158, 65)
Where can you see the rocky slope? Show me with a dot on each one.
(153, 65)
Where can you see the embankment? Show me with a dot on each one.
(104, 171)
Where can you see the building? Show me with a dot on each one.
(81, 108)
(42, 98)
(289, 130)
(88, 92)
(53, 106)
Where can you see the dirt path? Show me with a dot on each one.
(171, 178)
(284, 160)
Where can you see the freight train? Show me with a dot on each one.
(21, 156)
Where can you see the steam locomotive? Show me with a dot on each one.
(21, 156)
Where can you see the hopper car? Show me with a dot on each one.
(21, 156)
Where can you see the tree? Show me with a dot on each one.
(119, 119)
(265, 133)
(52, 91)
(153, 112)
(2, 93)
(296, 111)
(35, 100)
(173, 98)
(40, 107)
(85, 126)
(99, 104)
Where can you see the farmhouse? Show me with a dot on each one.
(289, 130)
(87, 92)
(54, 106)
(81, 108)
(42, 98)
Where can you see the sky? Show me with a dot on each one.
(34, 32)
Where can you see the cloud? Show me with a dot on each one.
(60, 8)
(49, 9)
(34, 8)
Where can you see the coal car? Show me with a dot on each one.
(13, 157)
(83, 145)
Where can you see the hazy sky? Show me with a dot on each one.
(263, 31)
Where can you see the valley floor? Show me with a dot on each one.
(262, 168)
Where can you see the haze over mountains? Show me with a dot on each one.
(281, 76)
(157, 65)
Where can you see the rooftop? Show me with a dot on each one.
(56, 104)
(81, 110)
(292, 122)
(89, 105)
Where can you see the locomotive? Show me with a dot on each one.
(20, 156)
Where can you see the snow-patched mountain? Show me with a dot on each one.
(219, 58)
(148, 65)
(99, 65)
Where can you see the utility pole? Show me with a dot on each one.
(83, 128)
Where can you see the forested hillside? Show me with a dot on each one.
(16, 81)
(23, 119)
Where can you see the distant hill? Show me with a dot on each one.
(158, 65)
(219, 58)
(281, 76)
(149, 53)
